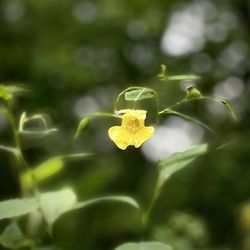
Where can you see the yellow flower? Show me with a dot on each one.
(132, 130)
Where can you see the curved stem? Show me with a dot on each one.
(209, 98)
(103, 114)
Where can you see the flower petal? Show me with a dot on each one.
(142, 135)
(120, 136)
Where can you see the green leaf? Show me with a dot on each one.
(81, 126)
(19, 89)
(54, 204)
(41, 172)
(125, 199)
(48, 168)
(187, 117)
(4, 93)
(182, 77)
(138, 94)
(178, 161)
(7, 91)
(17, 207)
(76, 156)
(144, 246)
(11, 236)
(11, 150)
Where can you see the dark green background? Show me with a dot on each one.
(65, 50)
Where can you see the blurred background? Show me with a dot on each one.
(76, 56)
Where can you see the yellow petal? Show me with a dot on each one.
(142, 135)
(120, 136)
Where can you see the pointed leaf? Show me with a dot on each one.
(11, 236)
(48, 168)
(41, 172)
(19, 89)
(139, 94)
(81, 126)
(125, 199)
(144, 246)
(76, 156)
(4, 93)
(17, 207)
(182, 77)
(54, 204)
(177, 161)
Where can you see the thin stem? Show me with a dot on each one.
(186, 117)
(178, 103)
(18, 150)
(11, 120)
(156, 194)
(20, 156)
(103, 114)
(210, 98)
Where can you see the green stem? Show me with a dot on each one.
(20, 157)
(103, 114)
(147, 213)
(186, 117)
(209, 98)
(18, 149)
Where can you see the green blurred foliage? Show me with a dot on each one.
(76, 56)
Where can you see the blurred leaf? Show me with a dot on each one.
(163, 75)
(54, 204)
(41, 172)
(76, 156)
(81, 126)
(9, 149)
(48, 168)
(7, 91)
(125, 199)
(187, 117)
(11, 236)
(139, 93)
(177, 161)
(19, 89)
(144, 246)
(4, 93)
(17, 207)
(182, 77)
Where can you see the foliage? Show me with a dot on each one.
(70, 59)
